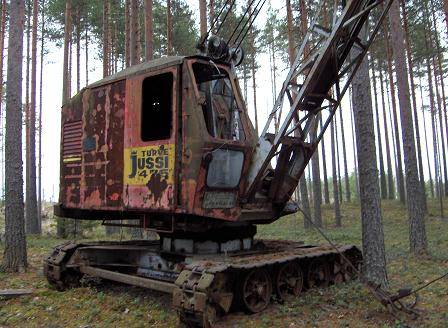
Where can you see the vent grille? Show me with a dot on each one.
(72, 141)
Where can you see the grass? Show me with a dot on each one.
(348, 305)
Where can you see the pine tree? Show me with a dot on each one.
(127, 18)
(203, 17)
(390, 175)
(324, 168)
(374, 260)
(336, 205)
(169, 32)
(32, 223)
(106, 8)
(291, 56)
(42, 48)
(149, 31)
(253, 67)
(383, 182)
(344, 155)
(15, 254)
(2, 50)
(28, 13)
(86, 40)
(414, 102)
(418, 243)
(133, 31)
(66, 80)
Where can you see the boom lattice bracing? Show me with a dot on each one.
(316, 83)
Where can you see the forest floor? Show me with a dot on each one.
(347, 305)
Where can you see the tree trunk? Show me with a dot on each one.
(28, 14)
(344, 155)
(253, 65)
(324, 163)
(390, 174)
(289, 25)
(439, 70)
(302, 183)
(127, 32)
(2, 51)
(305, 201)
(374, 260)
(430, 32)
(431, 184)
(442, 153)
(338, 159)
(67, 41)
(352, 119)
(87, 53)
(432, 111)
(400, 177)
(169, 32)
(383, 182)
(317, 192)
(32, 220)
(78, 48)
(445, 12)
(15, 255)
(317, 188)
(336, 205)
(414, 104)
(42, 53)
(212, 15)
(111, 40)
(106, 38)
(203, 17)
(133, 30)
(149, 33)
(418, 243)
(434, 131)
(66, 83)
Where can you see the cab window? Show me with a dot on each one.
(221, 113)
(157, 116)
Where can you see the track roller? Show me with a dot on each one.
(318, 273)
(289, 280)
(256, 290)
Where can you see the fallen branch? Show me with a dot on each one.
(11, 293)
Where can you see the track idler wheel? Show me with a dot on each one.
(70, 279)
(256, 290)
(289, 280)
(318, 274)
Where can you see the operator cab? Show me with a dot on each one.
(160, 140)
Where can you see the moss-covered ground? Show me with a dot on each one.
(347, 305)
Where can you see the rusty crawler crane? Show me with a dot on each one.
(169, 144)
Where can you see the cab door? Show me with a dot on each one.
(149, 179)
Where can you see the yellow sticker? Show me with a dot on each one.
(71, 159)
(141, 163)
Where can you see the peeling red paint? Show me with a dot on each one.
(110, 126)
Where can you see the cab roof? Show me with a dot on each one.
(144, 67)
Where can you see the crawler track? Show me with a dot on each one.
(210, 286)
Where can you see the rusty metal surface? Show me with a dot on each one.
(148, 185)
(101, 175)
(275, 251)
(202, 291)
(156, 285)
(92, 147)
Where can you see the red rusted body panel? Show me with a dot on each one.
(149, 190)
(92, 161)
(109, 171)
